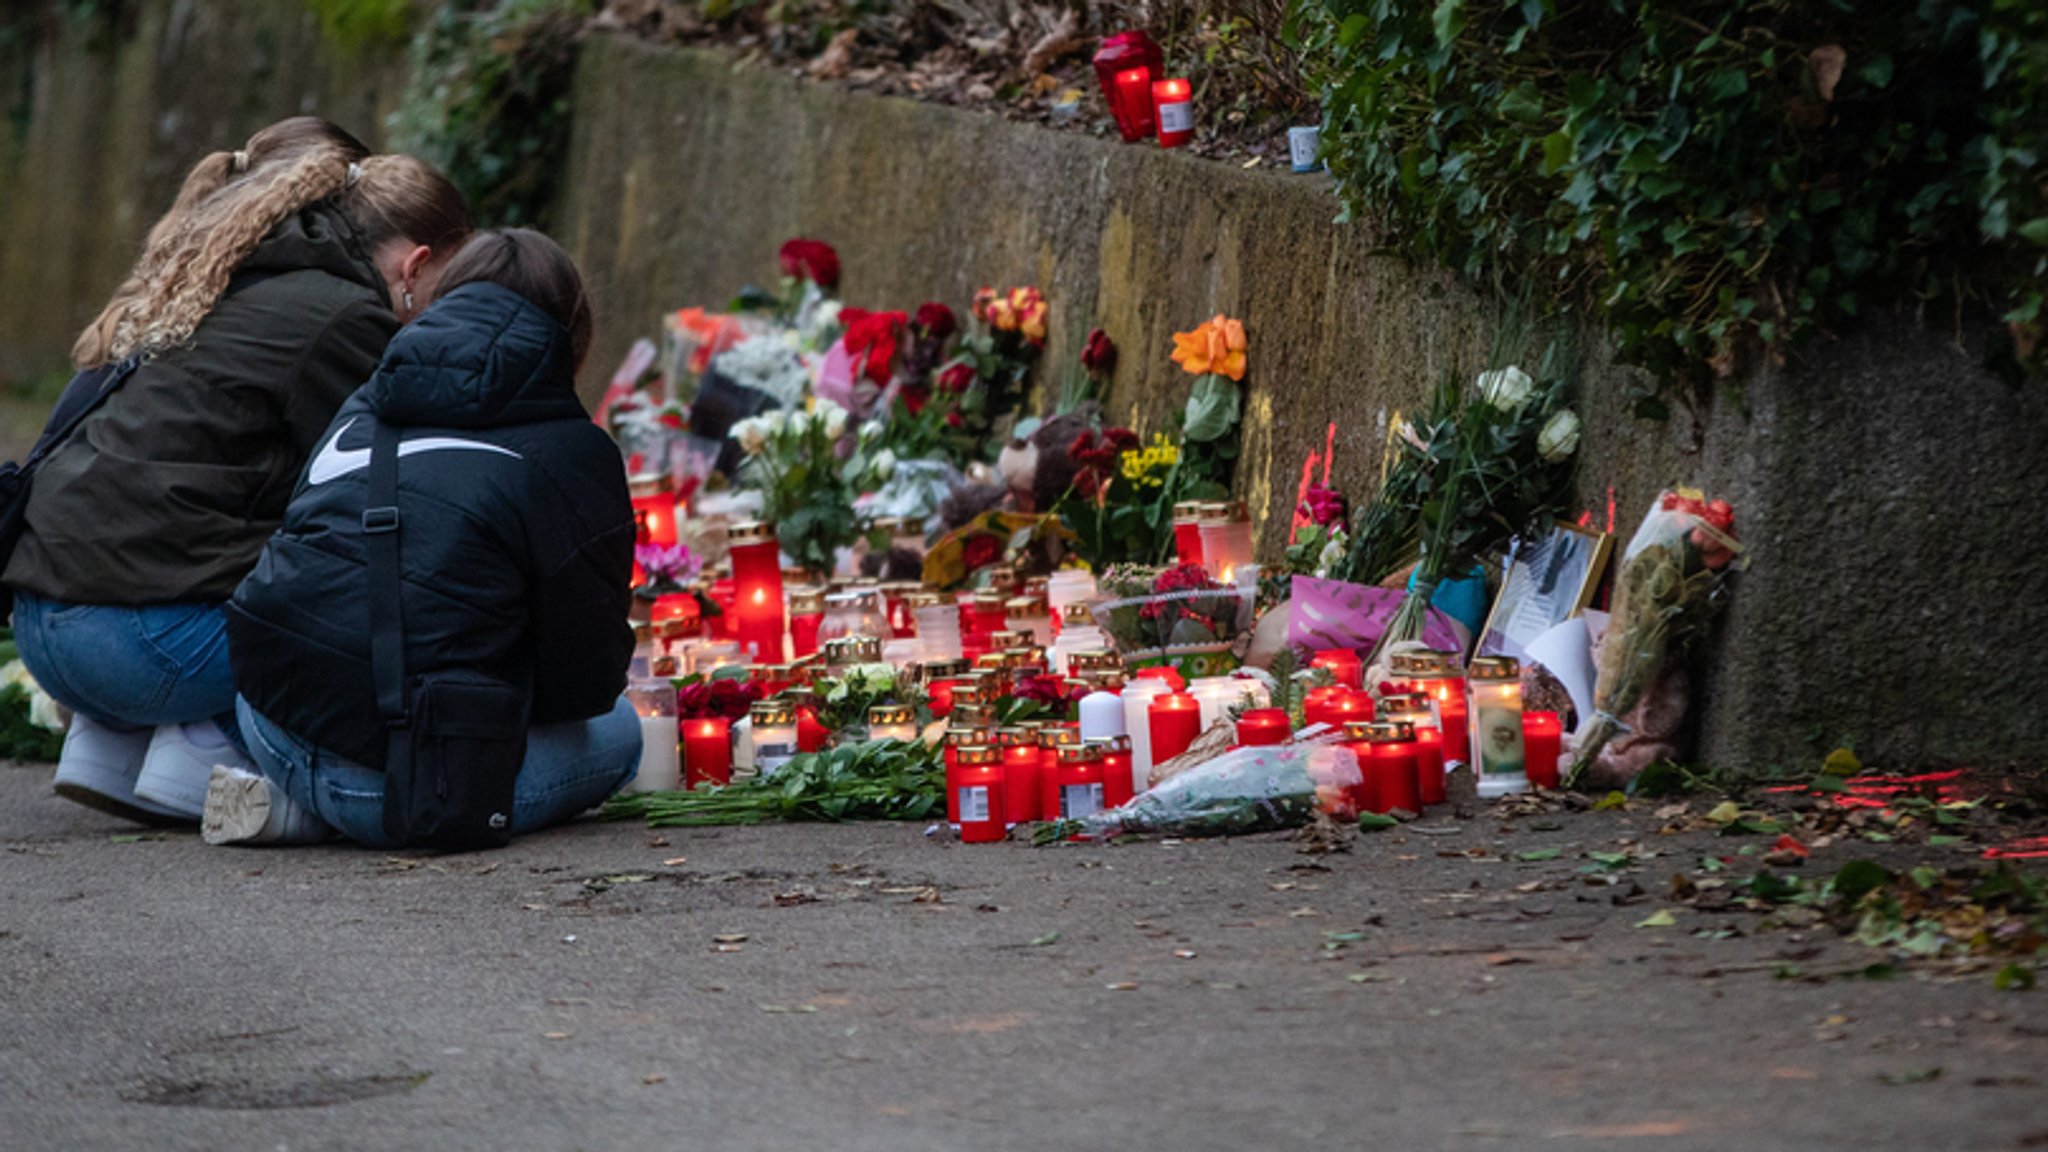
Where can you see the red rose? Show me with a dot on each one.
(1123, 439)
(811, 260)
(957, 379)
(915, 397)
(1087, 483)
(936, 320)
(979, 551)
(875, 336)
(955, 420)
(982, 300)
(1099, 356)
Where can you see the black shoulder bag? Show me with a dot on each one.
(455, 740)
(86, 392)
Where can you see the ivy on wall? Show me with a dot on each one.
(488, 101)
(1714, 179)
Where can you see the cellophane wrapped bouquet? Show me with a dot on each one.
(1264, 789)
(1673, 580)
(1179, 617)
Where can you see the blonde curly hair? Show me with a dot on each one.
(231, 200)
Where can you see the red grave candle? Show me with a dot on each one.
(1542, 744)
(1452, 711)
(1118, 786)
(1260, 727)
(1187, 533)
(1175, 719)
(1337, 706)
(1050, 741)
(1080, 779)
(1344, 666)
(707, 751)
(1386, 761)
(810, 734)
(1122, 54)
(1170, 677)
(1429, 765)
(757, 591)
(674, 606)
(806, 616)
(654, 507)
(1020, 781)
(1173, 104)
(979, 796)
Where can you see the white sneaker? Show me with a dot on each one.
(246, 808)
(98, 769)
(179, 764)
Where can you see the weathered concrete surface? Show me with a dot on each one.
(102, 123)
(902, 994)
(1891, 491)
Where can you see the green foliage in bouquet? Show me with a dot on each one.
(874, 780)
(1497, 467)
(992, 371)
(792, 460)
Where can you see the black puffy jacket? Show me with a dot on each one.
(515, 537)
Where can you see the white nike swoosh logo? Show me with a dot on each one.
(334, 461)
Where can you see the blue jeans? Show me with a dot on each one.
(130, 667)
(569, 768)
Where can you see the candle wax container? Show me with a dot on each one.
(1337, 706)
(774, 725)
(892, 722)
(1125, 66)
(1499, 757)
(1080, 781)
(1344, 666)
(1187, 533)
(1175, 720)
(654, 507)
(811, 735)
(979, 796)
(707, 751)
(660, 757)
(1263, 727)
(1386, 757)
(1050, 741)
(1226, 540)
(1137, 697)
(1118, 785)
(1416, 711)
(806, 617)
(1543, 741)
(1173, 105)
(955, 740)
(1021, 802)
(1102, 716)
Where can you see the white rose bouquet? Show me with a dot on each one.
(809, 473)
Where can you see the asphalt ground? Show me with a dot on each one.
(608, 986)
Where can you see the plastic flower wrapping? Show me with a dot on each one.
(1672, 582)
(1243, 790)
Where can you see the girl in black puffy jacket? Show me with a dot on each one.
(515, 559)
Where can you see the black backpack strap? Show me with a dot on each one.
(82, 396)
(380, 541)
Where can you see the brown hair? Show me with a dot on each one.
(231, 200)
(532, 265)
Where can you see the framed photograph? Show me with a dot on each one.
(1547, 582)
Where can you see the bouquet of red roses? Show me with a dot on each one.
(1672, 581)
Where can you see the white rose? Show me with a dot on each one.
(750, 435)
(834, 418)
(1505, 388)
(827, 314)
(796, 422)
(1560, 436)
(885, 465)
(773, 422)
(870, 431)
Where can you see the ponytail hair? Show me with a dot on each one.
(228, 204)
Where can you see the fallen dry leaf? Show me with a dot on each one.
(1827, 62)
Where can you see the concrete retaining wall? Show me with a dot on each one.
(103, 123)
(1889, 488)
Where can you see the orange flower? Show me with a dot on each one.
(982, 300)
(1001, 314)
(1217, 346)
(1031, 310)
